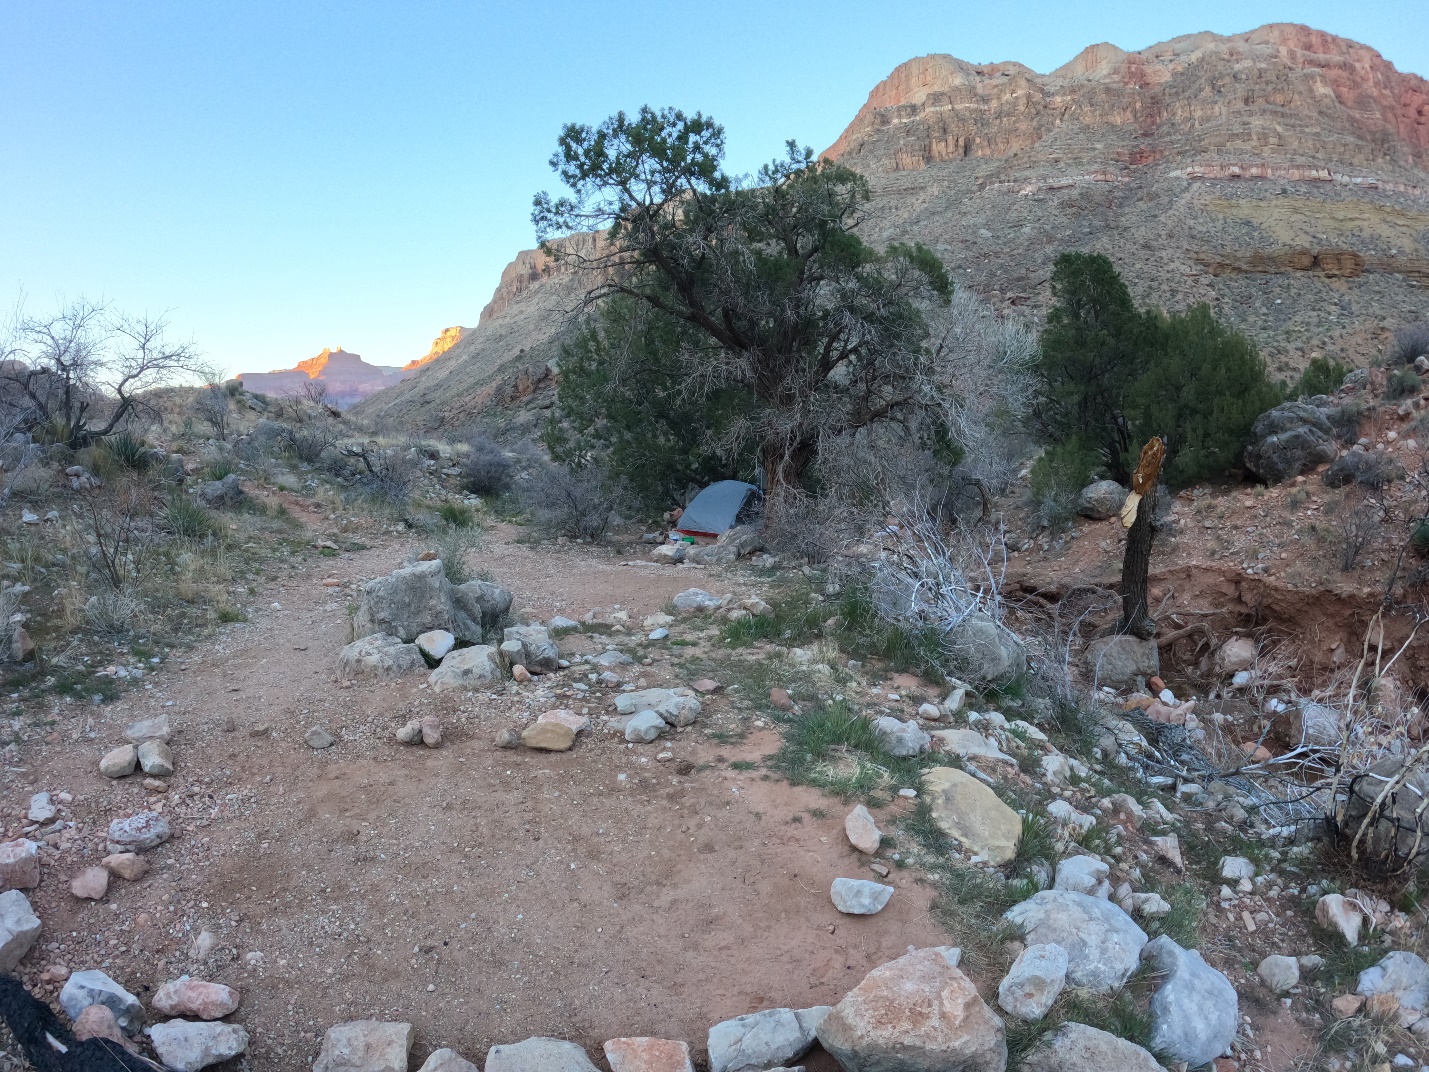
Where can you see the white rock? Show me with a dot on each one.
(466, 668)
(1103, 943)
(644, 727)
(901, 738)
(42, 809)
(1083, 874)
(1195, 1011)
(435, 644)
(1067, 815)
(695, 601)
(187, 1045)
(86, 988)
(151, 729)
(1279, 973)
(1146, 905)
(1402, 974)
(859, 897)
(19, 928)
(539, 1055)
(1337, 912)
(365, 1046)
(1235, 868)
(862, 832)
(763, 1039)
(1033, 982)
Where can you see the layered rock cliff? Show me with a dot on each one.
(1281, 175)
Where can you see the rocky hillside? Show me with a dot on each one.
(1281, 175)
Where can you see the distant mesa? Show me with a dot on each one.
(347, 377)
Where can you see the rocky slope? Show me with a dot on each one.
(1281, 175)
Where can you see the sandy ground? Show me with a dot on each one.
(483, 895)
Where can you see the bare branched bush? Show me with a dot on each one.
(212, 405)
(808, 528)
(1356, 526)
(119, 528)
(578, 504)
(1410, 341)
(387, 473)
(487, 470)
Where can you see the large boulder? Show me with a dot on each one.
(539, 1055)
(539, 653)
(1101, 500)
(732, 545)
(763, 1039)
(1119, 660)
(1103, 943)
(365, 1046)
(1288, 440)
(19, 928)
(1195, 1011)
(217, 494)
(380, 655)
(1368, 469)
(918, 1013)
(985, 653)
(411, 601)
(1079, 1048)
(972, 814)
(646, 1054)
(484, 602)
(466, 668)
(1034, 982)
(901, 738)
(694, 601)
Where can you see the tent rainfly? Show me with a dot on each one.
(716, 509)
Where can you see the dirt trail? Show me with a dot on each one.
(483, 895)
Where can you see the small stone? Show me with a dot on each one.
(445, 1060)
(435, 644)
(1279, 973)
(152, 729)
(19, 865)
(185, 1046)
(411, 732)
(1083, 874)
(706, 686)
(366, 1046)
(138, 833)
(431, 731)
(645, 727)
(548, 736)
(1235, 868)
(155, 785)
(930, 712)
(1034, 981)
(520, 675)
(98, 1021)
(86, 988)
(1347, 1005)
(119, 763)
(863, 834)
(538, 1055)
(1336, 912)
(42, 808)
(318, 738)
(156, 759)
(506, 737)
(1146, 905)
(129, 866)
(91, 884)
(195, 998)
(763, 1039)
(859, 896)
(566, 717)
(779, 698)
(19, 928)
(1169, 849)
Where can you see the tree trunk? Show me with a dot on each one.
(784, 467)
(1134, 569)
(1136, 565)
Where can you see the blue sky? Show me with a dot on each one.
(286, 176)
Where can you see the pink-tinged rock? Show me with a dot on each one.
(704, 685)
(863, 833)
(138, 832)
(918, 1013)
(430, 729)
(520, 675)
(19, 865)
(195, 998)
(98, 1021)
(1169, 849)
(90, 884)
(780, 699)
(1336, 912)
(648, 1055)
(129, 866)
(566, 717)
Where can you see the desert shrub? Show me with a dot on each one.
(388, 474)
(219, 468)
(309, 437)
(1345, 420)
(1410, 341)
(452, 545)
(184, 517)
(456, 515)
(129, 452)
(1356, 524)
(487, 470)
(1402, 383)
(579, 504)
(1419, 539)
(1320, 377)
(1056, 482)
(807, 527)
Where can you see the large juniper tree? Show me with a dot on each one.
(771, 294)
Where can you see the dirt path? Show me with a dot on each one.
(483, 895)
